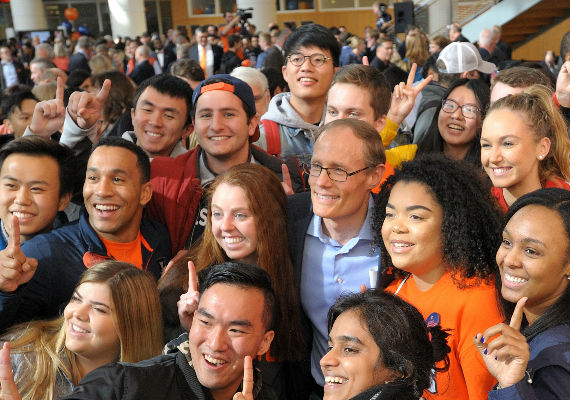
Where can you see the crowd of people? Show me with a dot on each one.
(293, 214)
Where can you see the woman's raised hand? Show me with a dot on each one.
(507, 355)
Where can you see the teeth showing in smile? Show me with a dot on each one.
(500, 171)
(103, 207)
(395, 244)
(307, 80)
(213, 360)
(21, 214)
(78, 329)
(335, 379)
(514, 279)
(326, 197)
(153, 134)
(218, 138)
(233, 240)
(456, 127)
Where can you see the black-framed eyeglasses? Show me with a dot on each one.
(317, 59)
(336, 174)
(468, 110)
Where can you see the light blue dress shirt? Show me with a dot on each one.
(10, 74)
(330, 270)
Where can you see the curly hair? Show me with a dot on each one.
(471, 226)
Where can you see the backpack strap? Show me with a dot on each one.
(428, 104)
(272, 137)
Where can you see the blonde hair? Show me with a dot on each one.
(136, 316)
(100, 63)
(416, 50)
(544, 120)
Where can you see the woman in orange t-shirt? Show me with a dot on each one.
(440, 230)
(525, 145)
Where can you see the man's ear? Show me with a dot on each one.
(266, 342)
(187, 131)
(146, 193)
(380, 123)
(253, 124)
(375, 175)
(64, 201)
(8, 125)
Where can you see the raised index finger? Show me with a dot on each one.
(14, 238)
(59, 90)
(104, 92)
(247, 388)
(516, 319)
(192, 277)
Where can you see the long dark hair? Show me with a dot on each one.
(407, 346)
(557, 200)
(432, 141)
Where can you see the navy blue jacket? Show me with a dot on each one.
(62, 256)
(548, 369)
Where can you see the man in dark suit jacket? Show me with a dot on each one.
(143, 69)
(217, 52)
(330, 234)
(22, 74)
(162, 55)
(83, 53)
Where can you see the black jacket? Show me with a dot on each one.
(142, 70)
(217, 50)
(78, 61)
(168, 377)
(22, 72)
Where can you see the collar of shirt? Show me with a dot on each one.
(316, 229)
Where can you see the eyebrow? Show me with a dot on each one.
(331, 165)
(218, 109)
(347, 338)
(114, 170)
(169, 109)
(239, 322)
(412, 208)
(97, 303)
(38, 182)
(527, 239)
(232, 209)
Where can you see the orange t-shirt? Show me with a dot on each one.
(128, 252)
(466, 312)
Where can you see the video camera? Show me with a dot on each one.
(244, 14)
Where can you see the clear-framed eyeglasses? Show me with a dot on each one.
(336, 174)
(317, 59)
(468, 110)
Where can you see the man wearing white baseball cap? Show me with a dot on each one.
(463, 58)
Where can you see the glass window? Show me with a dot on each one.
(197, 7)
(326, 4)
(285, 5)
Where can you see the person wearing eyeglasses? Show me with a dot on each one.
(456, 127)
(311, 59)
(330, 234)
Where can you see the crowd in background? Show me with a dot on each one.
(312, 213)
